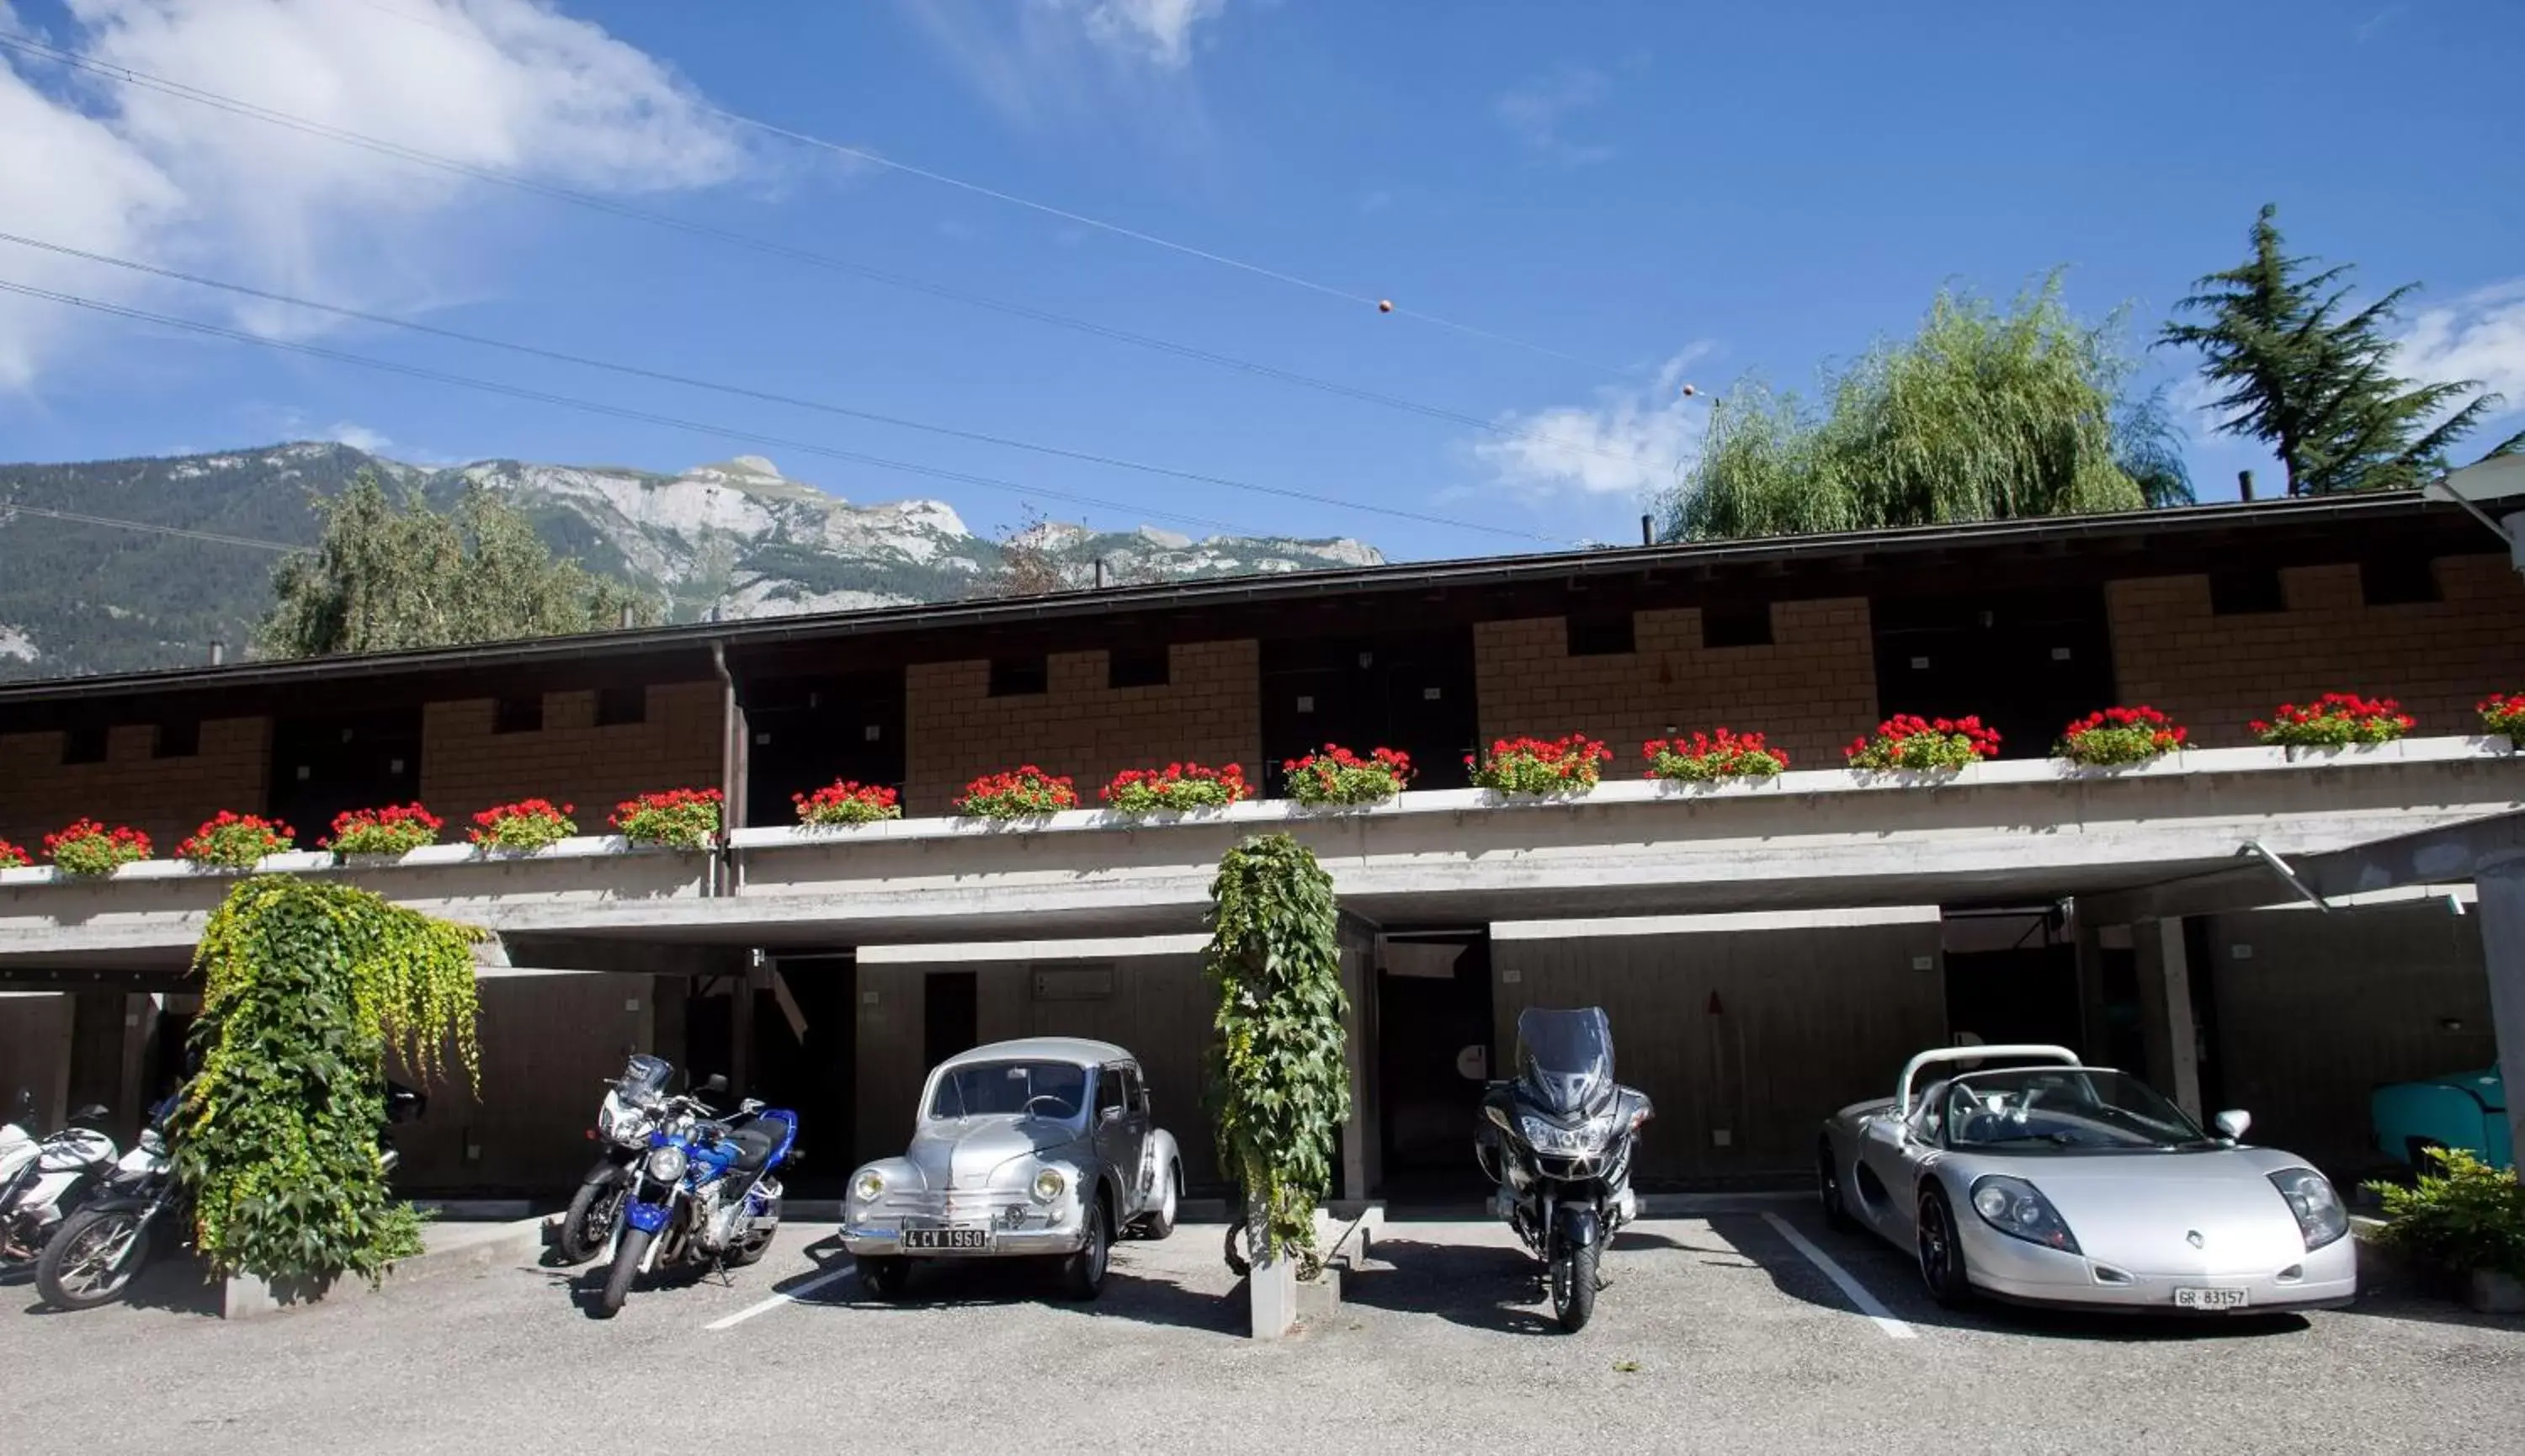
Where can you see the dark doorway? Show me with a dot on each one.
(806, 732)
(1411, 691)
(2027, 994)
(96, 1058)
(323, 766)
(2026, 663)
(805, 1041)
(1434, 1052)
(950, 1015)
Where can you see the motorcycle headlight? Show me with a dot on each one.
(1047, 1186)
(1547, 1136)
(2019, 1209)
(666, 1164)
(867, 1185)
(2320, 1214)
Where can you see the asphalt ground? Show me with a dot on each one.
(1720, 1334)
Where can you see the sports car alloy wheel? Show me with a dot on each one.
(1836, 1215)
(1941, 1257)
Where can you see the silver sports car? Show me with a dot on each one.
(2064, 1185)
(1045, 1147)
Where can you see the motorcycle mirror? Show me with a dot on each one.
(714, 1082)
(90, 1113)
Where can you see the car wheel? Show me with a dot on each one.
(1083, 1273)
(1941, 1251)
(1161, 1221)
(883, 1277)
(1836, 1213)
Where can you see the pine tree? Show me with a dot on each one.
(387, 577)
(2316, 385)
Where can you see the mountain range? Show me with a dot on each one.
(737, 538)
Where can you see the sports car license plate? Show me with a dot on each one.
(2210, 1299)
(946, 1238)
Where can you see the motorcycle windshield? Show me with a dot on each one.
(644, 1079)
(1564, 1059)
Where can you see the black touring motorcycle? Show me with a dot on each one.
(1558, 1141)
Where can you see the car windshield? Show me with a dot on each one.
(1044, 1089)
(2053, 1109)
(1564, 1058)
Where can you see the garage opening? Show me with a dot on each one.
(1434, 1052)
(806, 1043)
(2013, 977)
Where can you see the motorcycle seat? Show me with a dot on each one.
(754, 1142)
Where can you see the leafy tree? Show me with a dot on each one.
(1029, 566)
(385, 576)
(2314, 382)
(1984, 413)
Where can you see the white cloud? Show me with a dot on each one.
(1030, 57)
(359, 437)
(510, 85)
(2478, 337)
(1537, 111)
(1629, 443)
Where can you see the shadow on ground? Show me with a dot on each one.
(1881, 1270)
(1134, 1290)
(176, 1284)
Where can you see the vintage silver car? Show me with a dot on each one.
(1043, 1147)
(2060, 1184)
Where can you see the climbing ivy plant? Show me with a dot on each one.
(308, 989)
(1280, 1084)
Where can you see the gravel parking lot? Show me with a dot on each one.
(1720, 1333)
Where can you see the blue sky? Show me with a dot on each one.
(1638, 195)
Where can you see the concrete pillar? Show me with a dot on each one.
(2165, 1011)
(2503, 952)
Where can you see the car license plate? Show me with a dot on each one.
(2210, 1299)
(946, 1238)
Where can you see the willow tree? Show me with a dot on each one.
(1984, 413)
(309, 992)
(387, 576)
(1280, 1078)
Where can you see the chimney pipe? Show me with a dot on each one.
(627, 616)
(218, 653)
(2245, 484)
(1648, 531)
(1099, 573)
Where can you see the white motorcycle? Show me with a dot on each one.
(94, 1252)
(41, 1180)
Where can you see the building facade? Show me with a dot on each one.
(1766, 955)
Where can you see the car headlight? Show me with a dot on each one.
(2019, 1209)
(1047, 1186)
(666, 1164)
(1547, 1136)
(867, 1185)
(2320, 1214)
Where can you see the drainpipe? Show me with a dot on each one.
(731, 769)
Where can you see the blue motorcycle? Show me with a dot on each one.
(703, 1195)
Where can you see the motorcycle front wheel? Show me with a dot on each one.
(1573, 1286)
(626, 1267)
(590, 1221)
(92, 1257)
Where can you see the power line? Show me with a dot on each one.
(771, 397)
(1084, 220)
(809, 257)
(619, 412)
(12, 508)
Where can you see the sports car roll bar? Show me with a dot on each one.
(1938, 1055)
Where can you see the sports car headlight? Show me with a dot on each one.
(1047, 1186)
(867, 1185)
(2320, 1214)
(2019, 1209)
(666, 1164)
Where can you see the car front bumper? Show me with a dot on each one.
(884, 1240)
(2021, 1272)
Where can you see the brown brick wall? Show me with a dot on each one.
(1811, 691)
(465, 768)
(1208, 711)
(165, 798)
(2217, 673)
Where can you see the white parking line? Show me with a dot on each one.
(833, 1277)
(1867, 1303)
